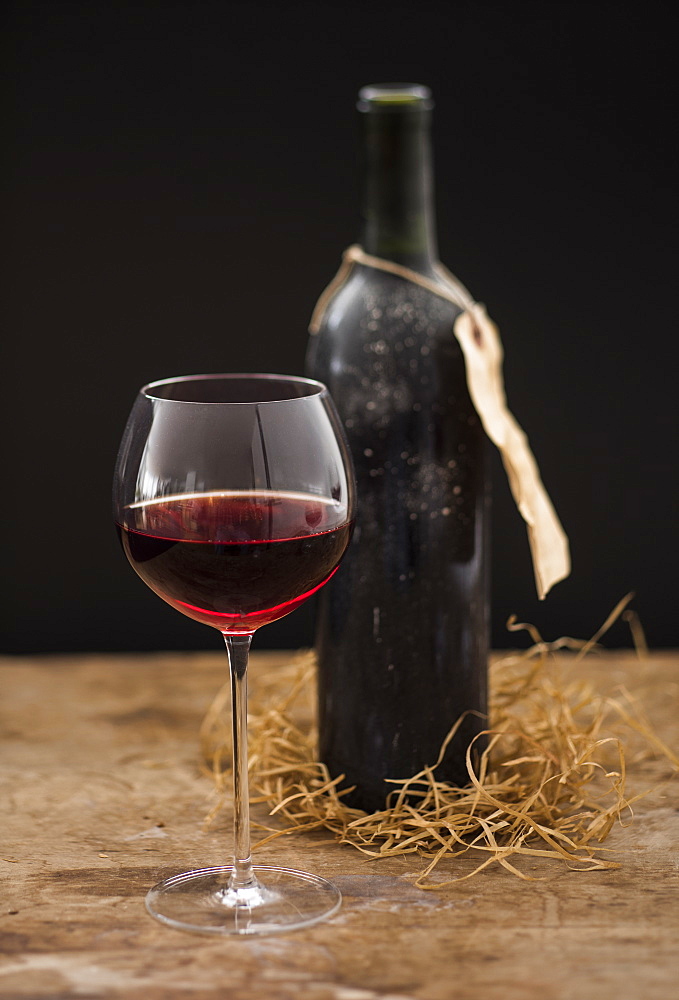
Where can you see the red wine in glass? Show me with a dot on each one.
(236, 560)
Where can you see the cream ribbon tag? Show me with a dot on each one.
(479, 340)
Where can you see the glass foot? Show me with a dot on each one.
(280, 899)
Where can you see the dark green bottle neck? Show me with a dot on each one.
(398, 202)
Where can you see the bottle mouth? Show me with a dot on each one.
(394, 97)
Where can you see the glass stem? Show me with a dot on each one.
(238, 649)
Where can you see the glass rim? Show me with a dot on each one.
(319, 388)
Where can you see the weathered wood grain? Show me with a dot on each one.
(104, 793)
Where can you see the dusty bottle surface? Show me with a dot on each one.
(402, 629)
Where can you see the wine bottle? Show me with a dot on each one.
(401, 634)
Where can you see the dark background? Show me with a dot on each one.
(180, 183)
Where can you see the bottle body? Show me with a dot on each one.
(401, 634)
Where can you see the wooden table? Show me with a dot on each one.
(104, 793)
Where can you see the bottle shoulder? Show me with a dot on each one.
(384, 319)
(380, 295)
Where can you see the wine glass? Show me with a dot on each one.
(234, 501)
